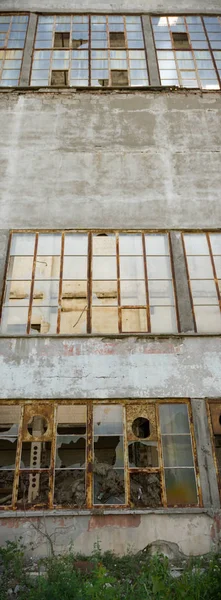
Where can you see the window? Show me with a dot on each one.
(12, 40)
(203, 257)
(74, 283)
(99, 51)
(215, 424)
(184, 50)
(73, 454)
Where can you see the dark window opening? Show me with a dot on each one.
(103, 82)
(59, 78)
(76, 43)
(119, 78)
(181, 40)
(141, 427)
(61, 40)
(117, 39)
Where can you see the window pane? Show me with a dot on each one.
(6, 487)
(20, 267)
(73, 319)
(109, 450)
(47, 267)
(46, 293)
(143, 454)
(105, 320)
(70, 452)
(14, 320)
(104, 490)
(163, 319)
(161, 293)
(133, 293)
(134, 320)
(180, 486)
(104, 245)
(159, 267)
(69, 489)
(174, 418)
(108, 419)
(200, 267)
(131, 267)
(9, 420)
(208, 319)
(104, 293)
(22, 244)
(145, 489)
(215, 239)
(49, 244)
(177, 451)
(130, 244)
(204, 292)
(196, 244)
(104, 268)
(17, 293)
(75, 267)
(8, 448)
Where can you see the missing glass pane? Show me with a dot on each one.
(180, 40)
(6, 487)
(119, 78)
(143, 454)
(69, 488)
(141, 427)
(36, 455)
(108, 485)
(59, 78)
(145, 489)
(117, 39)
(33, 489)
(61, 40)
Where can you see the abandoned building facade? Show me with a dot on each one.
(110, 274)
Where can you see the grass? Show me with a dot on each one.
(108, 577)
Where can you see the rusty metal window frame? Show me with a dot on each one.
(48, 409)
(214, 278)
(91, 53)
(6, 52)
(119, 308)
(213, 407)
(173, 49)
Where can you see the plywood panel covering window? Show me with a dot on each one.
(99, 51)
(13, 29)
(71, 454)
(188, 50)
(103, 283)
(203, 258)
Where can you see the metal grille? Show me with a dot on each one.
(75, 283)
(188, 50)
(13, 29)
(86, 50)
(72, 454)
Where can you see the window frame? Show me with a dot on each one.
(48, 409)
(216, 402)
(5, 47)
(89, 280)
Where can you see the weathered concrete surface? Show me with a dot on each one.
(117, 368)
(142, 160)
(185, 6)
(192, 533)
(181, 284)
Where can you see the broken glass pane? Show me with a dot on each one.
(44, 320)
(109, 450)
(6, 487)
(174, 418)
(36, 455)
(108, 420)
(33, 489)
(180, 486)
(69, 489)
(143, 454)
(108, 485)
(70, 452)
(145, 489)
(9, 420)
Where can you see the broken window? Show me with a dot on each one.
(113, 44)
(215, 414)
(203, 258)
(13, 29)
(184, 52)
(59, 78)
(70, 454)
(74, 283)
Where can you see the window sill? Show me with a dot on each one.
(103, 512)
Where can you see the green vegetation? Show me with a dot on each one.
(108, 577)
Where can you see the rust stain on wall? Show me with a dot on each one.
(100, 521)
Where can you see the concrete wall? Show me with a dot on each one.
(114, 368)
(161, 6)
(175, 534)
(110, 160)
